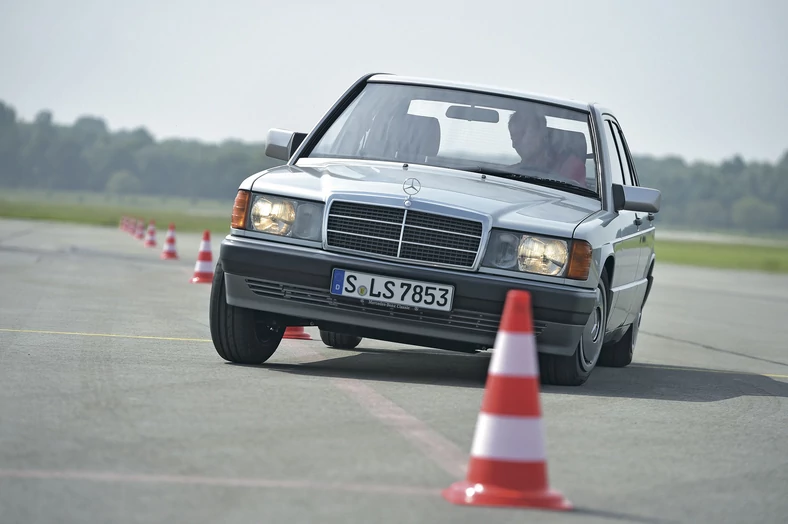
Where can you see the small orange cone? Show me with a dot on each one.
(508, 464)
(297, 333)
(169, 251)
(203, 269)
(150, 238)
(140, 233)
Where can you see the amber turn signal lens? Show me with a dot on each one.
(579, 260)
(240, 209)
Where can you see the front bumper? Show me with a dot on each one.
(295, 281)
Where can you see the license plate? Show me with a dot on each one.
(392, 292)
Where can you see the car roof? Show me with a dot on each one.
(400, 79)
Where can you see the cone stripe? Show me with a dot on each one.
(514, 355)
(508, 438)
(512, 396)
(203, 267)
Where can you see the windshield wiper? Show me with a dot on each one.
(542, 181)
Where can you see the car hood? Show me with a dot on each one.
(510, 203)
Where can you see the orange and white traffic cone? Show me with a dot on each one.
(140, 233)
(508, 464)
(203, 269)
(150, 238)
(169, 251)
(297, 333)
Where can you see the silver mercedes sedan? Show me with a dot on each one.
(415, 205)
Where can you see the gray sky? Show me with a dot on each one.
(700, 78)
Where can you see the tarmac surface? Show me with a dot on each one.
(115, 407)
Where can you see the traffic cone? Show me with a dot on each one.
(296, 332)
(508, 463)
(203, 269)
(169, 251)
(150, 238)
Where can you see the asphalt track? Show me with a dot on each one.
(114, 406)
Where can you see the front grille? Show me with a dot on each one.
(400, 233)
(460, 318)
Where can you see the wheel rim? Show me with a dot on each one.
(594, 332)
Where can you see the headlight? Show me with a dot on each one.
(527, 253)
(286, 217)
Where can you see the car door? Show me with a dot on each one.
(644, 222)
(626, 246)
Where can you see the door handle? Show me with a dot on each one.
(638, 221)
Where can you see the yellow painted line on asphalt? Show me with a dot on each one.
(108, 335)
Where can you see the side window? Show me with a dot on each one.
(626, 160)
(617, 176)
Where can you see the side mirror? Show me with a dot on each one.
(633, 198)
(281, 144)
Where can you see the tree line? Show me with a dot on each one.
(87, 156)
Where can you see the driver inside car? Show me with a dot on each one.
(531, 139)
(528, 131)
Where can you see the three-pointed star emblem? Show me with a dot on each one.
(411, 186)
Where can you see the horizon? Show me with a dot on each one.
(260, 141)
(701, 81)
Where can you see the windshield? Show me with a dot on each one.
(496, 135)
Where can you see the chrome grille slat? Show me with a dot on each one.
(404, 234)
(411, 226)
(360, 235)
(449, 248)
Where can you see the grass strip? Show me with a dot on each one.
(110, 216)
(772, 259)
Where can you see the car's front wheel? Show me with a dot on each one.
(240, 335)
(574, 370)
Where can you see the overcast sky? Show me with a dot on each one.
(705, 79)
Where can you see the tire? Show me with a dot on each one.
(240, 335)
(339, 340)
(619, 354)
(574, 370)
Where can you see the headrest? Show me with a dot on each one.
(417, 137)
(568, 142)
